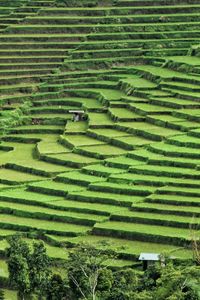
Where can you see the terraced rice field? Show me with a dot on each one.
(129, 172)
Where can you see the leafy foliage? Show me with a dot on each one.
(39, 268)
(57, 288)
(88, 273)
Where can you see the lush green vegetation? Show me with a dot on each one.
(128, 172)
(90, 272)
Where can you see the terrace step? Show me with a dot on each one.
(173, 199)
(122, 162)
(26, 197)
(84, 206)
(151, 180)
(159, 208)
(165, 171)
(101, 171)
(152, 3)
(141, 232)
(106, 19)
(54, 188)
(187, 95)
(74, 160)
(190, 192)
(131, 249)
(172, 150)
(184, 141)
(123, 115)
(147, 130)
(180, 86)
(176, 103)
(15, 177)
(42, 213)
(122, 188)
(25, 66)
(78, 178)
(79, 57)
(154, 219)
(124, 10)
(27, 224)
(102, 197)
(100, 151)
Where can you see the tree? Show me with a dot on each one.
(124, 286)
(178, 283)
(29, 271)
(195, 243)
(18, 265)
(57, 288)
(39, 268)
(86, 265)
(19, 274)
(1, 295)
(18, 246)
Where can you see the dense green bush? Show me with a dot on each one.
(75, 3)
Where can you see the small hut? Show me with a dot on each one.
(149, 259)
(77, 115)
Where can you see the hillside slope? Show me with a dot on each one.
(129, 172)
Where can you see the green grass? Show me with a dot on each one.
(102, 150)
(122, 188)
(23, 155)
(129, 247)
(167, 208)
(185, 191)
(185, 140)
(166, 171)
(10, 294)
(149, 108)
(173, 150)
(89, 207)
(159, 71)
(79, 140)
(104, 197)
(128, 106)
(186, 59)
(56, 252)
(123, 114)
(74, 127)
(101, 170)
(17, 177)
(108, 132)
(174, 199)
(155, 218)
(3, 269)
(110, 94)
(96, 119)
(118, 228)
(21, 194)
(78, 178)
(54, 187)
(3, 244)
(21, 223)
(153, 180)
(131, 141)
(48, 147)
(71, 159)
(148, 129)
(49, 213)
(122, 162)
(139, 83)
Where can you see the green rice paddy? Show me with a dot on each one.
(127, 173)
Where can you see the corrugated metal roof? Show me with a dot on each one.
(149, 256)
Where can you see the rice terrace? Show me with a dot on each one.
(100, 127)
